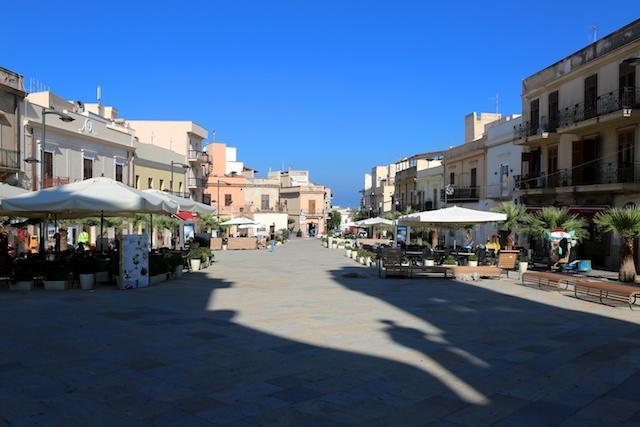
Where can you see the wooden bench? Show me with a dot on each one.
(391, 263)
(609, 291)
(480, 271)
(549, 279)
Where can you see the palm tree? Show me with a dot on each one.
(551, 218)
(626, 223)
(516, 217)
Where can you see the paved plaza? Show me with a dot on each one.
(295, 338)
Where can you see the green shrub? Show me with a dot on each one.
(473, 257)
(450, 260)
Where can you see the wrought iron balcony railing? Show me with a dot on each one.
(586, 174)
(629, 97)
(9, 159)
(198, 156)
(461, 194)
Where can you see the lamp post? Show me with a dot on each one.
(218, 200)
(182, 166)
(65, 118)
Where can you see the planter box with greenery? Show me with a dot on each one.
(22, 279)
(450, 260)
(523, 263)
(473, 260)
(58, 280)
(86, 268)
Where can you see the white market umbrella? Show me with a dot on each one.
(254, 226)
(7, 190)
(86, 198)
(452, 217)
(184, 204)
(372, 222)
(239, 220)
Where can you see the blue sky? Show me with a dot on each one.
(333, 86)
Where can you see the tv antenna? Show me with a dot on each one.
(594, 32)
(497, 101)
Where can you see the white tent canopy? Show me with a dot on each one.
(451, 217)
(239, 220)
(254, 226)
(183, 203)
(7, 190)
(372, 222)
(85, 198)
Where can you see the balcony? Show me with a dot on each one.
(179, 194)
(461, 194)
(196, 156)
(544, 129)
(9, 159)
(623, 100)
(196, 182)
(602, 177)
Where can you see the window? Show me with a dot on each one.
(534, 117)
(48, 169)
(227, 200)
(264, 202)
(504, 180)
(119, 168)
(452, 178)
(150, 183)
(591, 96)
(162, 184)
(180, 187)
(312, 207)
(435, 198)
(137, 182)
(554, 110)
(87, 168)
(552, 161)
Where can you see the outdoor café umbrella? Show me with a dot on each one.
(7, 190)
(453, 217)
(184, 204)
(239, 220)
(372, 222)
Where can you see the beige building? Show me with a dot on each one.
(185, 138)
(406, 193)
(581, 132)
(11, 109)
(91, 145)
(153, 169)
(429, 185)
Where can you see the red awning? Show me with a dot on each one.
(186, 216)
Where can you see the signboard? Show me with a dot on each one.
(401, 234)
(134, 261)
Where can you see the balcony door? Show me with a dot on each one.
(626, 156)
(591, 96)
(534, 119)
(584, 162)
(627, 85)
(473, 183)
(554, 111)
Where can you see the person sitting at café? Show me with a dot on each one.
(83, 240)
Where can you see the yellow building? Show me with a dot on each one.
(152, 169)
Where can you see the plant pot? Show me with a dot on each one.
(347, 253)
(153, 280)
(429, 262)
(195, 264)
(354, 255)
(56, 285)
(87, 281)
(278, 243)
(367, 261)
(22, 285)
(473, 263)
(102, 277)
(523, 266)
(334, 245)
(224, 247)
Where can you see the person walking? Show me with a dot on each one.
(272, 242)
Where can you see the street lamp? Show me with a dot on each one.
(182, 166)
(218, 201)
(62, 116)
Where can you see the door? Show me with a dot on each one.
(48, 169)
(627, 85)
(626, 156)
(584, 161)
(534, 117)
(87, 168)
(264, 202)
(591, 96)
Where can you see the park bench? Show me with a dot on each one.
(608, 291)
(391, 263)
(549, 279)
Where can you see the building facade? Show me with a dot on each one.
(185, 138)
(91, 145)
(580, 134)
(160, 169)
(12, 96)
(406, 193)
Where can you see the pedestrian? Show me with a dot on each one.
(272, 242)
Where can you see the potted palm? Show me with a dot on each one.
(516, 218)
(87, 273)
(625, 223)
(473, 260)
(523, 263)
(22, 279)
(195, 259)
(57, 280)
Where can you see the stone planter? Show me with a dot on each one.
(87, 281)
(347, 253)
(354, 255)
(429, 262)
(367, 261)
(473, 263)
(22, 285)
(195, 264)
(224, 247)
(56, 285)
(523, 266)
(360, 260)
(334, 245)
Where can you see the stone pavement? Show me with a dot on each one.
(292, 338)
